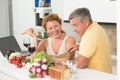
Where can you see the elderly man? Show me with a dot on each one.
(94, 49)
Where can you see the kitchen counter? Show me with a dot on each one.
(10, 71)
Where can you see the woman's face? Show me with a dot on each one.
(53, 29)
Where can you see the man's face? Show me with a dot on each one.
(78, 26)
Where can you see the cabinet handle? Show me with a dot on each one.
(112, 0)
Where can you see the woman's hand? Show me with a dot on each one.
(29, 31)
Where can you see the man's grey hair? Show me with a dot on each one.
(81, 13)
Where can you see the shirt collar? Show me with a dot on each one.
(92, 25)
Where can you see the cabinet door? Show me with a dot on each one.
(57, 7)
(101, 10)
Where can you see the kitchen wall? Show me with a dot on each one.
(23, 17)
(111, 30)
(4, 18)
(118, 38)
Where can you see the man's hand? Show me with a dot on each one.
(73, 48)
(81, 61)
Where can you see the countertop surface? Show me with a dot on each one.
(9, 71)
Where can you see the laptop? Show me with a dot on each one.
(10, 43)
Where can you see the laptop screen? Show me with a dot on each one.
(8, 43)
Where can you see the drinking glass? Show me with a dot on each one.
(26, 42)
(31, 49)
(73, 67)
